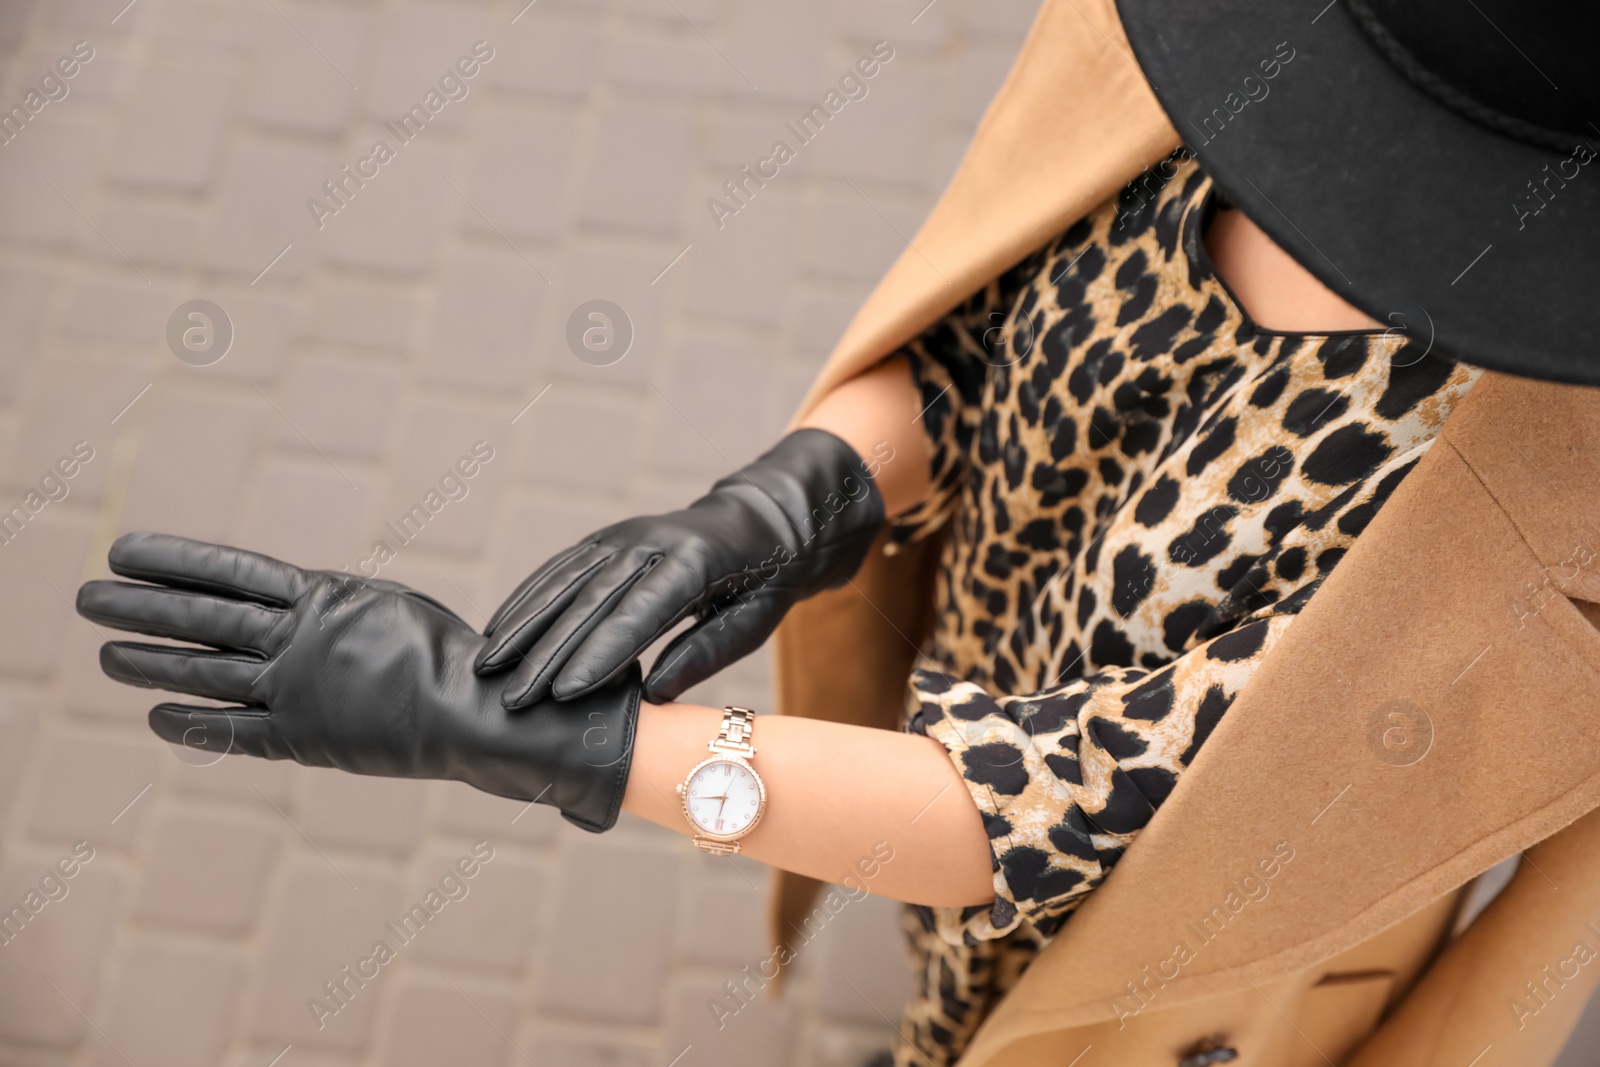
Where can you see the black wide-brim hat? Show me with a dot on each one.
(1436, 164)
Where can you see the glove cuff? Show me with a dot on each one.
(590, 790)
(573, 754)
(827, 495)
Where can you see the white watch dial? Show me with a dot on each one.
(723, 798)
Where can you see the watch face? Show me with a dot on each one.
(723, 797)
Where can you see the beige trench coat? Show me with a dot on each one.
(1433, 711)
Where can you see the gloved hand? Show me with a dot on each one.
(796, 521)
(335, 671)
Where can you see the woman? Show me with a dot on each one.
(1145, 447)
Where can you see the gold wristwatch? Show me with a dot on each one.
(723, 796)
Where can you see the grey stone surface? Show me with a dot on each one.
(369, 351)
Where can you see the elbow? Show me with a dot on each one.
(975, 889)
(967, 883)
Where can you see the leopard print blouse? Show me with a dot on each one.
(1141, 488)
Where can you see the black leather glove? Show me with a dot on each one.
(796, 521)
(334, 671)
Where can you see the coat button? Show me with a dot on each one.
(1208, 1052)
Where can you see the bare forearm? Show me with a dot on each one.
(882, 404)
(838, 794)
(834, 792)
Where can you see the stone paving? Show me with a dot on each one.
(374, 315)
(389, 310)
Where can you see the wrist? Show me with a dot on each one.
(668, 741)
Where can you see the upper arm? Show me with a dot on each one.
(916, 404)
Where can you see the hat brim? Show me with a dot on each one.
(1413, 213)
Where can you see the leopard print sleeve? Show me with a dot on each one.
(950, 362)
(1067, 777)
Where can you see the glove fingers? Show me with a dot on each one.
(530, 680)
(198, 565)
(175, 613)
(525, 616)
(214, 675)
(714, 643)
(531, 583)
(656, 603)
(218, 731)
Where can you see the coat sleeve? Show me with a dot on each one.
(1066, 778)
(950, 362)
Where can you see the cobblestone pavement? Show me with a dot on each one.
(377, 315)
(387, 311)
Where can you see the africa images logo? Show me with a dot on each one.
(454, 85)
(852, 86)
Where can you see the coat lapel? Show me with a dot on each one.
(1431, 712)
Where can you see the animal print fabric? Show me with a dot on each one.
(1141, 489)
